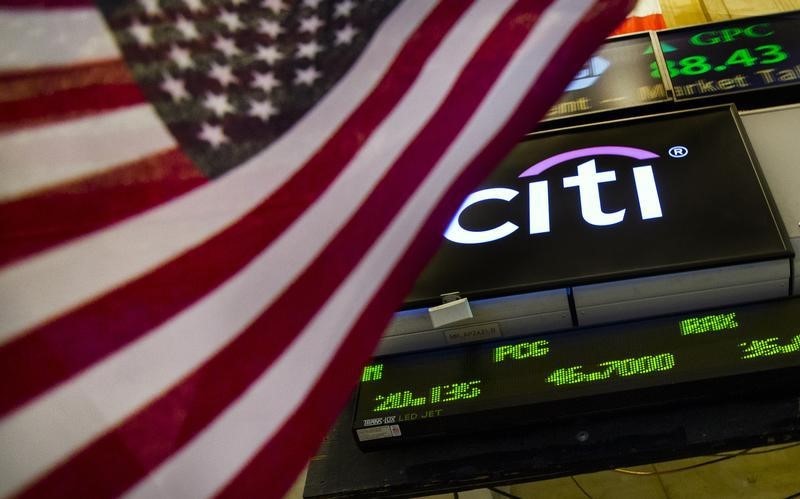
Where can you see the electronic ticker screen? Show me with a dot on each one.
(629, 198)
(734, 56)
(399, 395)
(616, 76)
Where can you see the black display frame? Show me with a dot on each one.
(433, 298)
(621, 111)
(559, 448)
(733, 94)
(746, 99)
(737, 96)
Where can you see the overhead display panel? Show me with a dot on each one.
(617, 76)
(735, 56)
(598, 203)
(500, 385)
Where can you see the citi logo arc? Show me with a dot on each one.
(587, 182)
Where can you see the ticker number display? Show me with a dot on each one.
(735, 56)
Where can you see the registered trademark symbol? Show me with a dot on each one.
(678, 151)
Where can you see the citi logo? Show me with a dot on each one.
(587, 181)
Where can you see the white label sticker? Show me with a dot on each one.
(447, 313)
(378, 432)
(373, 421)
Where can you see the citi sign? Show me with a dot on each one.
(587, 182)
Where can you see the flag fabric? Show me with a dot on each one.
(645, 16)
(210, 209)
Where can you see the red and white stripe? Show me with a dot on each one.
(77, 149)
(201, 345)
(60, 36)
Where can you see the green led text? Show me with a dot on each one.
(699, 325)
(725, 35)
(436, 395)
(524, 350)
(372, 373)
(625, 367)
(768, 347)
(695, 65)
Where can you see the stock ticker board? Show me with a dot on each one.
(702, 61)
(617, 76)
(735, 56)
(399, 395)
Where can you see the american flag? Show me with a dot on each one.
(210, 209)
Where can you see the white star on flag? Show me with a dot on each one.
(230, 20)
(268, 54)
(310, 49)
(194, 5)
(218, 104)
(264, 81)
(345, 35)
(187, 28)
(270, 28)
(313, 4)
(142, 33)
(262, 110)
(344, 8)
(227, 46)
(223, 74)
(213, 134)
(151, 7)
(306, 76)
(175, 87)
(181, 57)
(274, 5)
(311, 24)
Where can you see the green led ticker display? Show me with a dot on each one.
(522, 350)
(769, 347)
(579, 363)
(372, 373)
(439, 394)
(733, 56)
(625, 367)
(709, 323)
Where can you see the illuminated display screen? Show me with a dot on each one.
(636, 197)
(617, 76)
(528, 372)
(733, 56)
